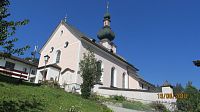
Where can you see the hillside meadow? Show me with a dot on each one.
(32, 98)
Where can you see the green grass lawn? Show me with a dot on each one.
(19, 98)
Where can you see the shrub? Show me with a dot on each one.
(94, 97)
(159, 107)
(191, 103)
(26, 105)
(118, 98)
(105, 108)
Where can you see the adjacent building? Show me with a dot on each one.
(18, 68)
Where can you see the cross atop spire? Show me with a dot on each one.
(65, 19)
(107, 6)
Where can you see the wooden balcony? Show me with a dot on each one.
(13, 73)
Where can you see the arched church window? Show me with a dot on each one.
(100, 68)
(58, 53)
(124, 80)
(61, 32)
(66, 44)
(52, 48)
(112, 77)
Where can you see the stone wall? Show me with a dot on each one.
(143, 96)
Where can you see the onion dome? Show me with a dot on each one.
(106, 33)
(107, 15)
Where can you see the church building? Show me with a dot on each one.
(62, 52)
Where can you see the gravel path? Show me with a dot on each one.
(120, 109)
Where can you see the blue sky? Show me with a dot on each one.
(160, 37)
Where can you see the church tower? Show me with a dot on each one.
(105, 34)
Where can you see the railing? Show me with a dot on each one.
(14, 73)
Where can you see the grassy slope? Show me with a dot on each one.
(52, 100)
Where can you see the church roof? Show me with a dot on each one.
(81, 35)
(51, 65)
(142, 80)
(35, 64)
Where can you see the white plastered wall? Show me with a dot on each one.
(108, 62)
(69, 55)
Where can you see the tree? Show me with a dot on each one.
(158, 88)
(8, 29)
(192, 103)
(178, 89)
(90, 73)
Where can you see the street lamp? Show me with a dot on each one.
(46, 58)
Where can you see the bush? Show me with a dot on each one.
(94, 97)
(118, 98)
(25, 105)
(191, 103)
(105, 108)
(159, 107)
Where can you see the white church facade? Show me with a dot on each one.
(61, 54)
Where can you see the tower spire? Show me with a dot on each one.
(107, 15)
(106, 33)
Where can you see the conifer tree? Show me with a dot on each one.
(7, 31)
(90, 72)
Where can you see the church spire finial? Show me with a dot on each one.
(107, 6)
(65, 19)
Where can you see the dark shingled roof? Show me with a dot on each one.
(81, 35)
(142, 80)
(19, 59)
(51, 65)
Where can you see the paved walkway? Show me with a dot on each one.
(120, 109)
